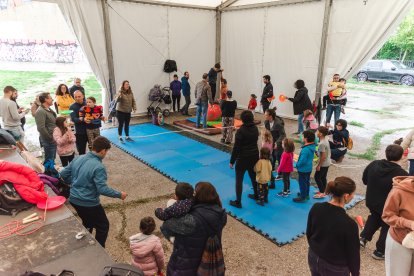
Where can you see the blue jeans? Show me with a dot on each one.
(201, 110)
(304, 180)
(411, 170)
(50, 149)
(300, 123)
(336, 110)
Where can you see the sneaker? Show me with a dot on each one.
(299, 200)
(319, 196)
(288, 192)
(129, 139)
(121, 140)
(362, 242)
(235, 203)
(342, 110)
(260, 202)
(282, 194)
(378, 255)
(251, 196)
(278, 177)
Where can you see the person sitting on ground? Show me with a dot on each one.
(332, 235)
(146, 249)
(340, 136)
(286, 166)
(378, 176)
(263, 170)
(324, 161)
(228, 109)
(65, 141)
(92, 115)
(177, 207)
(408, 143)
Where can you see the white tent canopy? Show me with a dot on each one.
(286, 39)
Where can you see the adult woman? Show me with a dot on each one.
(398, 213)
(340, 136)
(301, 102)
(63, 98)
(276, 126)
(245, 154)
(332, 235)
(125, 105)
(408, 142)
(206, 219)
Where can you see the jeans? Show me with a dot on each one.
(81, 140)
(320, 178)
(176, 98)
(265, 106)
(202, 109)
(374, 222)
(17, 133)
(123, 120)
(304, 179)
(333, 108)
(50, 149)
(184, 109)
(94, 217)
(411, 170)
(65, 160)
(320, 267)
(300, 123)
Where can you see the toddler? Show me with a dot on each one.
(267, 140)
(92, 115)
(309, 120)
(252, 103)
(286, 165)
(263, 169)
(343, 96)
(146, 249)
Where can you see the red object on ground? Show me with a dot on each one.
(214, 112)
(53, 202)
(282, 98)
(360, 221)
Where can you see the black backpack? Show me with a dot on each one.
(122, 270)
(10, 201)
(170, 66)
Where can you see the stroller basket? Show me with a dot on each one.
(167, 99)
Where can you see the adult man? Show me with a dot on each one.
(80, 125)
(267, 93)
(45, 119)
(203, 97)
(185, 87)
(212, 78)
(378, 177)
(88, 179)
(334, 103)
(77, 86)
(10, 114)
(20, 110)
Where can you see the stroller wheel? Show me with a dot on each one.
(166, 113)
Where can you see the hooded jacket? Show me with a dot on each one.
(175, 87)
(185, 86)
(305, 160)
(278, 131)
(301, 101)
(399, 208)
(408, 142)
(147, 253)
(245, 145)
(378, 177)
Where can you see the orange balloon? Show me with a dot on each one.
(282, 98)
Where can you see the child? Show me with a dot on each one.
(286, 165)
(65, 141)
(223, 90)
(228, 109)
(267, 140)
(263, 169)
(175, 87)
(304, 165)
(324, 153)
(404, 160)
(177, 207)
(146, 249)
(343, 96)
(309, 120)
(252, 103)
(92, 115)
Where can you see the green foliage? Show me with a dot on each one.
(93, 88)
(24, 80)
(357, 124)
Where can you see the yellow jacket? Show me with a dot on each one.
(263, 169)
(64, 102)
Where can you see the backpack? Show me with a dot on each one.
(170, 66)
(350, 144)
(121, 270)
(11, 202)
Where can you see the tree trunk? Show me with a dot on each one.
(405, 55)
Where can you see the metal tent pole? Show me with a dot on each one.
(108, 44)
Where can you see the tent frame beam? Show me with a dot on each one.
(108, 44)
(166, 4)
(267, 4)
(226, 4)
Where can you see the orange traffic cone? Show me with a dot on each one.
(360, 221)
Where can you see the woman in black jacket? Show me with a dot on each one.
(333, 235)
(206, 219)
(301, 102)
(245, 154)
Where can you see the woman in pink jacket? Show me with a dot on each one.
(65, 140)
(147, 252)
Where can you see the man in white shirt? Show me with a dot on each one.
(10, 114)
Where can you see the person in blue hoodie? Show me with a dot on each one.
(175, 87)
(87, 176)
(304, 165)
(185, 87)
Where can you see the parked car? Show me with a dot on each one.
(386, 70)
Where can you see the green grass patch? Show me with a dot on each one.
(93, 88)
(23, 80)
(357, 124)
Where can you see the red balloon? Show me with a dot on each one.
(214, 112)
(282, 98)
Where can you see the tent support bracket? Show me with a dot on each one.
(108, 44)
(267, 4)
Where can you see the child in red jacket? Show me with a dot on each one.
(252, 103)
(286, 165)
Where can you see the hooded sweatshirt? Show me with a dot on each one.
(147, 253)
(378, 177)
(399, 208)
(305, 160)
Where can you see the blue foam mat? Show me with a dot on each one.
(186, 160)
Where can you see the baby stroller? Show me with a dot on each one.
(159, 97)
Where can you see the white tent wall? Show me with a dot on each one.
(144, 36)
(357, 31)
(281, 41)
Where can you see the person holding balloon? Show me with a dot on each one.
(301, 102)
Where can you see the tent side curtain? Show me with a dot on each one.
(86, 19)
(357, 31)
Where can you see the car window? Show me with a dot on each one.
(398, 64)
(374, 64)
(387, 65)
